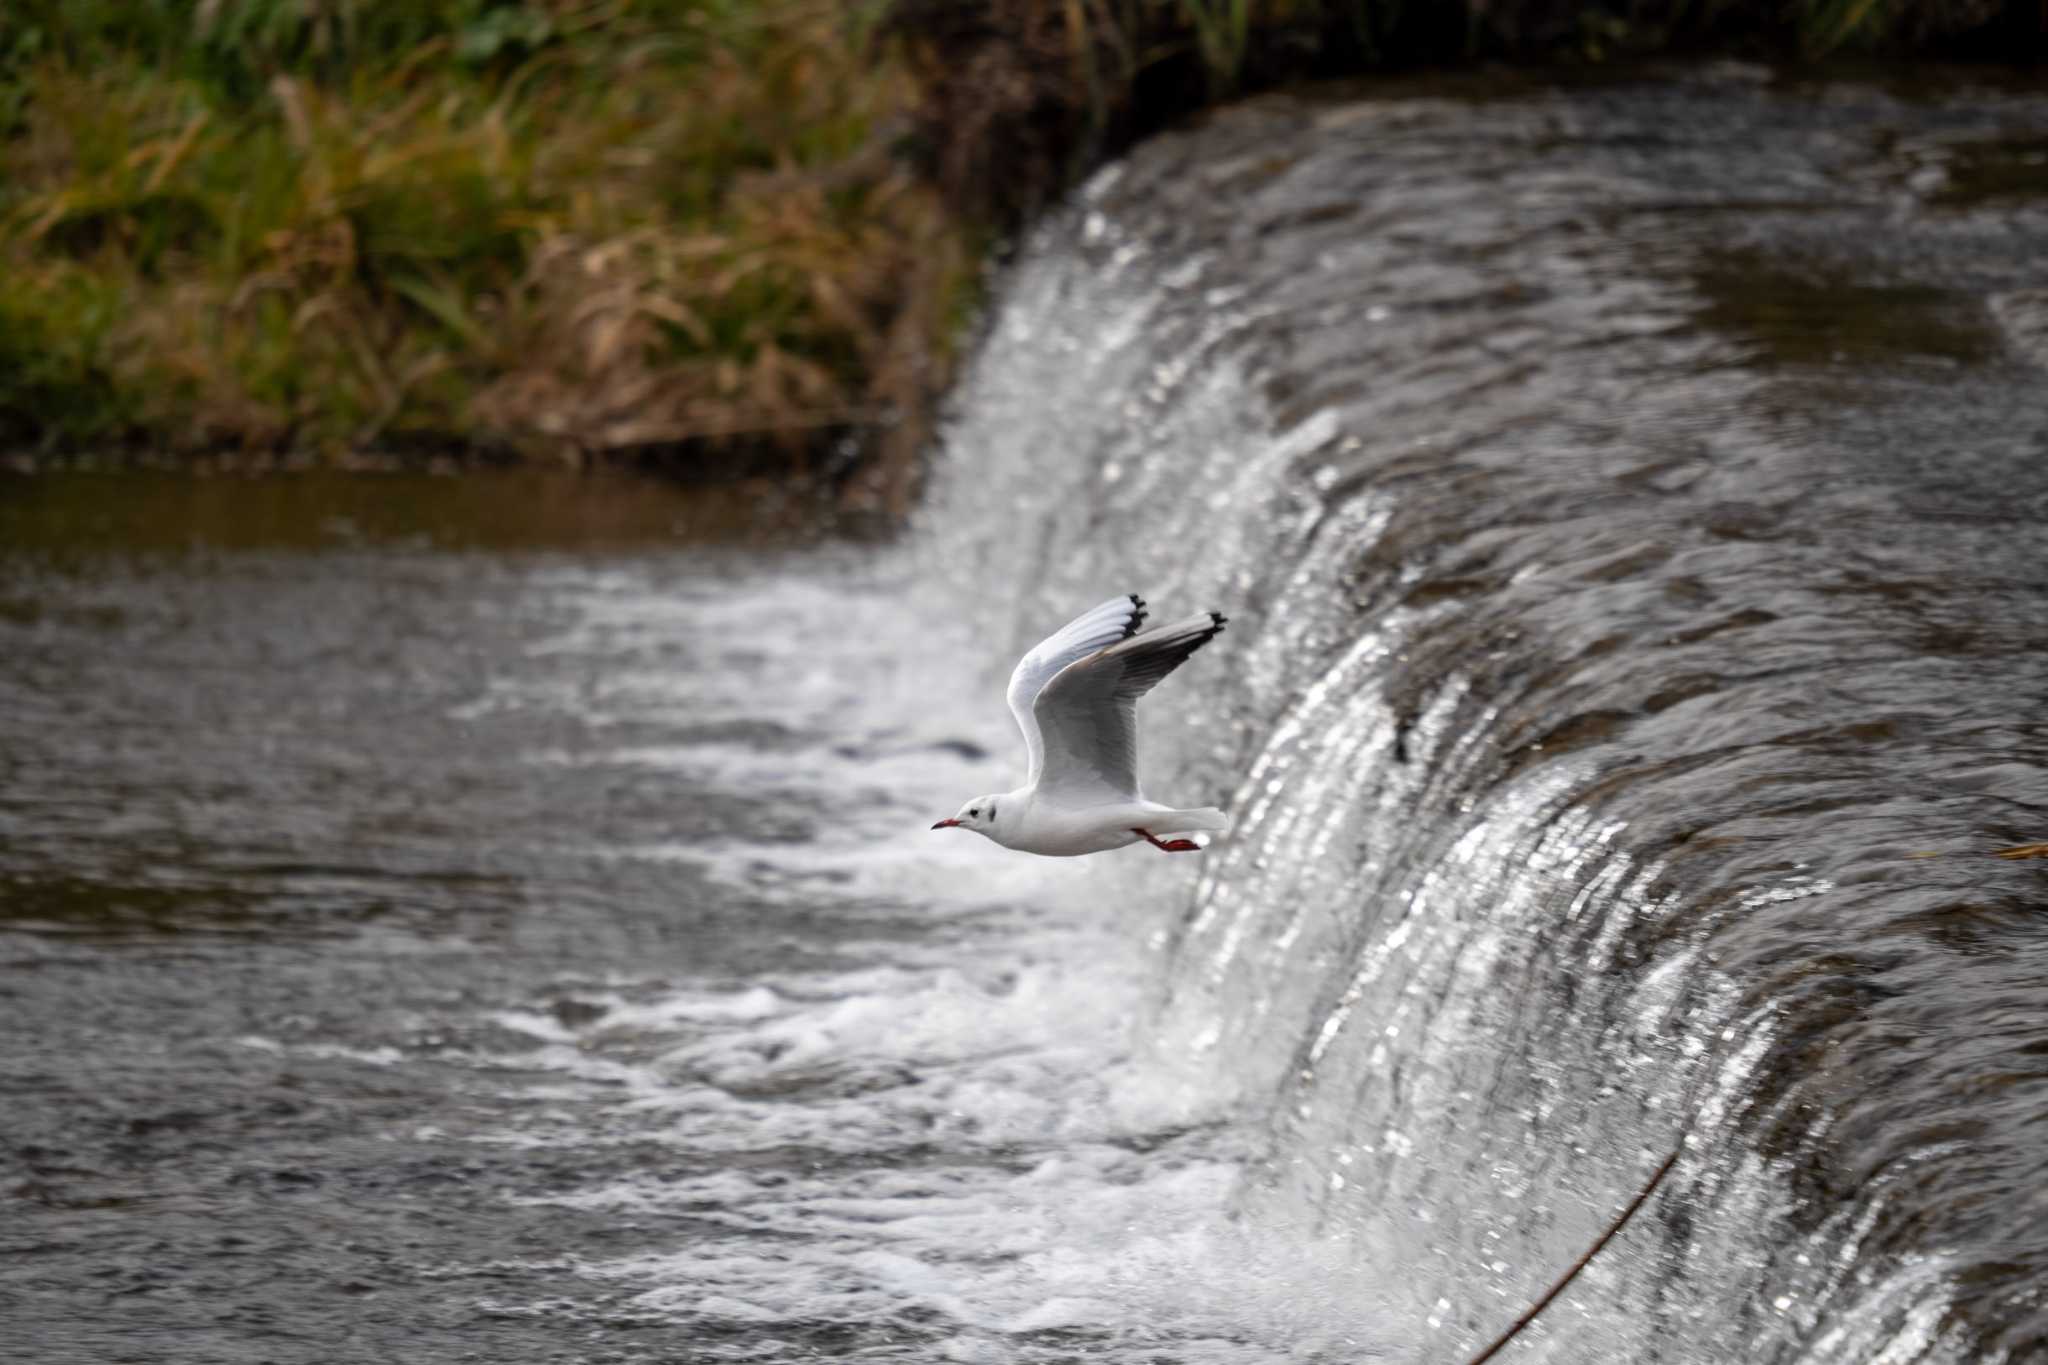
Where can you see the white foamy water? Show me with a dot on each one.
(1625, 502)
(967, 1140)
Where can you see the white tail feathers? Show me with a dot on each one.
(1187, 821)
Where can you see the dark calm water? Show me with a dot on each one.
(501, 935)
(495, 919)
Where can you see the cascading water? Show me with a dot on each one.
(445, 919)
(1628, 505)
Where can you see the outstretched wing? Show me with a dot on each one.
(1094, 629)
(1088, 716)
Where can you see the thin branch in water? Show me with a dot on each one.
(1594, 1250)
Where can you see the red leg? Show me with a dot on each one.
(1169, 845)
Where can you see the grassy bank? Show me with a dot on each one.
(669, 230)
(680, 232)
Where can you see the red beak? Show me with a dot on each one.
(946, 824)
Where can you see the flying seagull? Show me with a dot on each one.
(1075, 698)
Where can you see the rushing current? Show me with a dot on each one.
(455, 920)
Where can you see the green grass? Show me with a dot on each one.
(670, 229)
(560, 226)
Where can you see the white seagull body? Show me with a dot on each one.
(1075, 697)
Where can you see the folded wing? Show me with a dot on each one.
(1087, 713)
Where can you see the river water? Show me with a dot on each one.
(496, 920)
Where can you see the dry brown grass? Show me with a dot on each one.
(662, 237)
(672, 231)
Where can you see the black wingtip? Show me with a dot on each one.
(1218, 619)
(1137, 615)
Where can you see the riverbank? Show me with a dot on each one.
(1015, 98)
(720, 241)
(660, 232)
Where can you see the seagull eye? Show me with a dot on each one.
(974, 812)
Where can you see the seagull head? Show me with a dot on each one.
(978, 815)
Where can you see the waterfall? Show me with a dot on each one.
(1627, 508)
